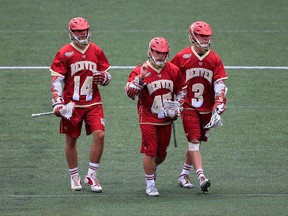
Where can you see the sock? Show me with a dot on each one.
(199, 173)
(73, 171)
(92, 168)
(186, 169)
(149, 179)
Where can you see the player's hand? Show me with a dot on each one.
(102, 78)
(219, 105)
(172, 110)
(132, 89)
(143, 71)
(172, 113)
(57, 104)
(99, 77)
(133, 92)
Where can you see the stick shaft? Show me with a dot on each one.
(174, 135)
(41, 114)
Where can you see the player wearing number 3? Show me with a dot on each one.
(156, 83)
(204, 75)
(77, 70)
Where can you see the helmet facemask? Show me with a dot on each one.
(157, 62)
(202, 44)
(82, 42)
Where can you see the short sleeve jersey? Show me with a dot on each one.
(77, 68)
(161, 85)
(200, 73)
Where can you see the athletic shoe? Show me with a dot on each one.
(76, 183)
(93, 182)
(204, 184)
(183, 181)
(152, 191)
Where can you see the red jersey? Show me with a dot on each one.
(77, 68)
(161, 85)
(200, 73)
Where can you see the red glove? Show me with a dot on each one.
(134, 87)
(57, 104)
(219, 105)
(102, 78)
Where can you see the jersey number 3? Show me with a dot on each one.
(197, 100)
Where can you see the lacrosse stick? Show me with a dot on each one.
(174, 135)
(41, 114)
(215, 121)
(172, 110)
(66, 111)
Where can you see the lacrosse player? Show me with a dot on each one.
(158, 85)
(204, 75)
(77, 70)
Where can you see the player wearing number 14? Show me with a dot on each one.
(77, 70)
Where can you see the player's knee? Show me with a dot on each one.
(193, 146)
(99, 134)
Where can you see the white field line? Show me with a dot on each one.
(272, 195)
(132, 67)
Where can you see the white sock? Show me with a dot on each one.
(186, 169)
(92, 168)
(73, 171)
(149, 179)
(199, 173)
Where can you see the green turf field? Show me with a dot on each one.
(246, 159)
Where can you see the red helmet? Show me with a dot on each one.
(79, 24)
(158, 44)
(200, 29)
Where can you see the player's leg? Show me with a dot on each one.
(95, 123)
(163, 141)
(190, 120)
(149, 149)
(196, 159)
(72, 160)
(193, 127)
(72, 133)
(95, 157)
(204, 182)
(184, 179)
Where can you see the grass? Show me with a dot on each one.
(246, 159)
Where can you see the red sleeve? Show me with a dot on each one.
(58, 64)
(219, 72)
(103, 63)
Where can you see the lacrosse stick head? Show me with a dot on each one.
(171, 109)
(67, 110)
(215, 121)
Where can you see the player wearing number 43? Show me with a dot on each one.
(77, 70)
(204, 74)
(158, 85)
